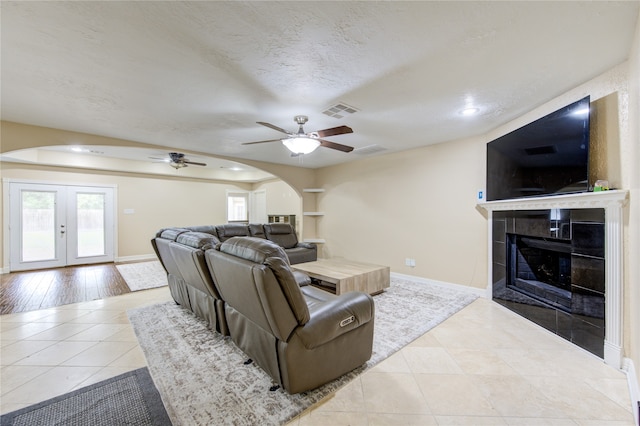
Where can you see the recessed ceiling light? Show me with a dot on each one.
(469, 111)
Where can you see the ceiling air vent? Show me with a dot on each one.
(339, 110)
(367, 150)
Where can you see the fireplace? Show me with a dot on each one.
(548, 266)
(593, 222)
(540, 268)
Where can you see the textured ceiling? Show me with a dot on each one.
(198, 75)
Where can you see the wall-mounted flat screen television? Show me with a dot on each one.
(546, 157)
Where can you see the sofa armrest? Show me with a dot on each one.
(335, 318)
(301, 278)
(306, 245)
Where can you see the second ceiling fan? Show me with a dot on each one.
(305, 143)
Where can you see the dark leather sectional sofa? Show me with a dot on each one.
(243, 287)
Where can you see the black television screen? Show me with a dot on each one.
(548, 156)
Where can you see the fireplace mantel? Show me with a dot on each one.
(612, 202)
(583, 200)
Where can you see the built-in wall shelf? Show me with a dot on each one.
(314, 240)
(313, 214)
(283, 218)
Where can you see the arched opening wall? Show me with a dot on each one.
(156, 200)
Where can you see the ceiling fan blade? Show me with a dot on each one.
(271, 126)
(340, 130)
(333, 145)
(194, 163)
(270, 140)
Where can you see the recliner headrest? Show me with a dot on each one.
(256, 230)
(280, 228)
(172, 233)
(254, 249)
(199, 240)
(230, 230)
(209, 229)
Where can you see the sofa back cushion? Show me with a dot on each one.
(163, 250)
(191, 263)
(252, 290)
(256, 230)
(269, 253)
(209, 229)
(282, 234)
(231, 230)
(198, 240)
(290, 288)
(172, 233)
(254, 249)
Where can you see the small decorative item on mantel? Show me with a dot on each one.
(601, 185)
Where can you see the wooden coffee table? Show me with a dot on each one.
(341, 275)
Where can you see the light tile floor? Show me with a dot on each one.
(50, 352)
(483, 366)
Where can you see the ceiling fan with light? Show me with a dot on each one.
(177, 160)
(304, 143)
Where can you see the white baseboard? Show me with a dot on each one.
(4, 270)
(138, 258)
(634, 388)
(480, 292)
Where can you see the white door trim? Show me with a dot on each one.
(6, 215)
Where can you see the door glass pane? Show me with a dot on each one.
(238, 207)
(38, 226)
(91, 229)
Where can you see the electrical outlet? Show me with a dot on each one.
(410, 262)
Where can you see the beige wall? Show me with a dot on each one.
(281, 199)
(419, 204)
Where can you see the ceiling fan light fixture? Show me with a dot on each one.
(301, 145)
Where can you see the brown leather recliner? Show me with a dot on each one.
(284, 235)
(181, 252)
(301, 336)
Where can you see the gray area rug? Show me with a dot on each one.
(203, 379)
(143, 275)
(128, 399)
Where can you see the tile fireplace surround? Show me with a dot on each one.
(612, 203)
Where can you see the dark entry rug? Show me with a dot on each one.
(128, 399)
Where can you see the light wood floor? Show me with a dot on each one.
(33, 290)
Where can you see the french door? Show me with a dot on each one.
(56, 225)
